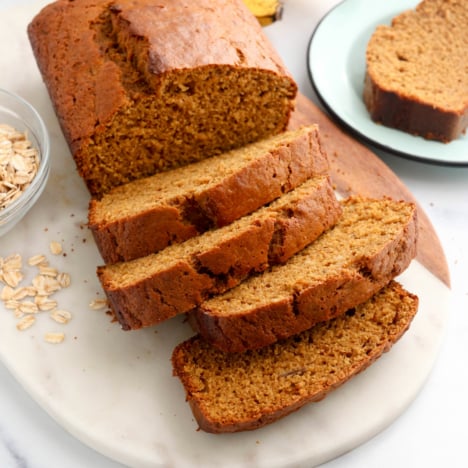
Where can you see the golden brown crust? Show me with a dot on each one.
(125, 119)
(349, 278)
(238, 392)
(187, 274)
(79, 89)
(159, 53)
(355, 170)
(280, 166)
(411, 115)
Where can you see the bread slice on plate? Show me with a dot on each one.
(230, 392)
(372, 243)
(416, 77)
(150, 289)
(147, 215)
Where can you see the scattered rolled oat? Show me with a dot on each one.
(48, 271)
(13, 262)
(44, 284)
(26, 322)
(12, 304)
(45, 303)
(10, 270)
(61, 316)
(54, 338)
(7, 293)
(98, 304)
(56, 247)
(12, 277)
(21, 293)
(64, 280)
(37, 260)
(28, 307)
(18, 314)
(19, 162)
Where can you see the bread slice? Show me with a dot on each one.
(372, 242)
(416, 77)
(231, 392)
(142, 86)
(148, 290)
(149, 214)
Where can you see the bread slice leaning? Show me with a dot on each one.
(149, 214)
(231, 392)
(148, 290)
(372, 242)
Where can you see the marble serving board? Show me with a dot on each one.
(114, 390)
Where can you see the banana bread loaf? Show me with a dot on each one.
(230, 392)
(372, 242)
(146, 215)
(142, 86)
(417, 78)
(151, 289)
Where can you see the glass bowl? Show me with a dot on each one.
(18, 113)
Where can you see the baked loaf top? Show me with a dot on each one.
(230, 392)
(372, 242)
(147, 215)
(142, 86)
(417, 77)
(151, 289)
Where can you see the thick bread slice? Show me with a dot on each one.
(148, 290)
(147, 215)
(416, 77)
(230, 392)
(374, 241)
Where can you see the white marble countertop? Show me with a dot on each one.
(430, 433)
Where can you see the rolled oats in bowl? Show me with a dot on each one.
(24, 158)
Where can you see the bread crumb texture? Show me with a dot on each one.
(150, 289)
(146, 215)
(229, 392)
(141, 87)
(421, 58)
(363, 230)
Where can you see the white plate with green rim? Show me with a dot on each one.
(336, 65)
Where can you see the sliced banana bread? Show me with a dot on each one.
(372, 242)
(417, 76)
(148, 290)
(146, 215)
(230, 392)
